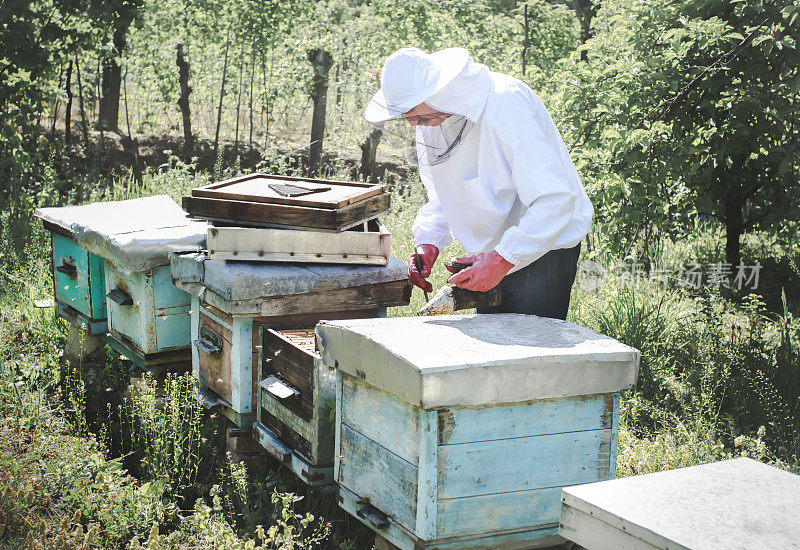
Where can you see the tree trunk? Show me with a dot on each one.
(586, 10)
(239, 98)
(222, 93)
(84, 125)
(734, 227)
(322, 61)
(250, 100)
(525, 42)
(55, 107)
(112, 80)
(183, 103)
(368, 150)
(68, 112)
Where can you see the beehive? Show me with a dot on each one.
(240, 316)
(120, 254)
(459, 431)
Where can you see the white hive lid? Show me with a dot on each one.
(469, 360)
(730, 505)
(134, 235)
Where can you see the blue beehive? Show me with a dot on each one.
(459, 431)
(254, 352)
(113, 257)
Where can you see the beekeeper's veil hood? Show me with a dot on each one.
(447, 80)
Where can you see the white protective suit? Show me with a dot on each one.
(510, 186)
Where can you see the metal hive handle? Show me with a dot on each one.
(120, 297)
(67, 269)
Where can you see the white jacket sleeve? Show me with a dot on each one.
(431, 225)
(542, 182)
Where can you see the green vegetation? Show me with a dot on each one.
(683, 119)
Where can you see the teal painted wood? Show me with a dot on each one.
(97, 286)
(337, 427)
(479, 514)
(75, 317)
(173, 329)
(195, 332)
(612, 459)
(575, 414)
(517, 539)
(72, 289)
(556, 460)
(165, 294)
(391, 422)
(149, 328)
(375, 473)
(427, 481)
(242, 365)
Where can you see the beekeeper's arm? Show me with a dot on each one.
(542, 183)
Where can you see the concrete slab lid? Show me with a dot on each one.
(253, 281)
(134, 235)
(728, 505)
(468, 360)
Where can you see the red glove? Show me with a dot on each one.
(420, 264)
(486, 272)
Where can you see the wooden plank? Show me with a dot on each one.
(390, 294)
(612, 458)
(214, 371)
(572, 414)
(501, 466)
(479, 514)
(254, 187)
(285, 245)
(287, 215)
(165, 293)
(173, 330)
(296, 441)
(594, 534)
(375, 473)
(427, 488)
(382, 417)
(97, 286)
(242, 365)
(133, 323)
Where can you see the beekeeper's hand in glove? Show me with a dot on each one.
(485, 273)
(420, 264)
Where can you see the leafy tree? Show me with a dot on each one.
(685, 110)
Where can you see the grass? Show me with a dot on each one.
(81, 466)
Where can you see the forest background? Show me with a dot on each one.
(682, 118)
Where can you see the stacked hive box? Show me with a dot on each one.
(254, 350)
(111, 272)
(459, 431)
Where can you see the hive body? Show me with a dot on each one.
(427, 467)
(254, 349)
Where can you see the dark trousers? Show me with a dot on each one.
(542, 288)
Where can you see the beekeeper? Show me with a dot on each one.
(498, 176)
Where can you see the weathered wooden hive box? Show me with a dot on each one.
(131, 242)
(459, 431)
(735, 504)
(253, 356)
(289, 202)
